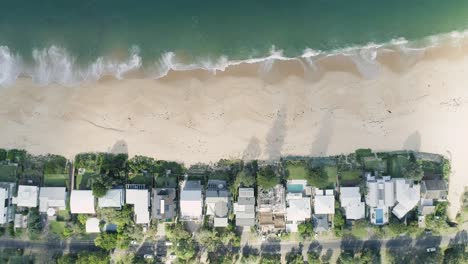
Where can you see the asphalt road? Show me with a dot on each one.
(424, 242)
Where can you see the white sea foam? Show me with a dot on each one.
(57, 65)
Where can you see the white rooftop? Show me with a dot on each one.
(324, 204)
(82, 202)
(27, 196)
(350, 199)
(191, 200)
(140, 200)
(298, 209)
(113, 198)
(407, 196)
(3, 209)
(52, 197)
(92, 225)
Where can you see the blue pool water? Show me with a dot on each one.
(296, 188)
(379, 216)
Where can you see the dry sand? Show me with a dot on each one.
(195, 117)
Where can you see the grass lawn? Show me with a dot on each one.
(351, 177)
(162, 182)
(296, 171)
(56, 227)
(8, 173)
(141, 178)
(56, 180)
(375, 164)
(397, 163)
(331, 172)
(83, 181)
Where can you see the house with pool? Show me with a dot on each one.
(298, 204)
(386, 194)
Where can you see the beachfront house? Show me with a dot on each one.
(271, 209)
(407, 196)
(164, 204)
(52, 199)
(217, 202)
(244, 209)
(138, 196)
(27, 196)
(82, 202)
(435, 189)
(324, 210)
(298, 204)
(6, 202)
(191, 201)
(351, 202)
(113, 198)
(384, 193)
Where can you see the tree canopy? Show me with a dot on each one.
(106, 241)
(267, 178)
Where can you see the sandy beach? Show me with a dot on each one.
(200, 117)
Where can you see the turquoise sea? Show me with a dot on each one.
(68, 42)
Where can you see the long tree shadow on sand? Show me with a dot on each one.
(322, 138)
(253, 150)
(276, 135)
(413, 142)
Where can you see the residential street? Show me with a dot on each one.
(283, 247)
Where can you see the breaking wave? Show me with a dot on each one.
(56, 65)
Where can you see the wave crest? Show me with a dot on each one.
(57, 65)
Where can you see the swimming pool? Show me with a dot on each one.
(379, 216)
(295, 188)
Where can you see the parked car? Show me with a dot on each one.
(133, 242)
(168, 243)
(148, 256)
(431, 249)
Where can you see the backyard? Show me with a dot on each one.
(56, 180)
(8, 173)
(350, 177)
(372, 164)
(296, 170)
(396, 165)
(83, 181)
(141, 178)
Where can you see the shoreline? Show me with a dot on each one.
(198, 117)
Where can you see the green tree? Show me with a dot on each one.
(317, 177)
(3, 154)
(313, 257)
(106, 241)
(270, 259)
(250, 259)
(101, 185)
(209, 240)
(142, 163)
(413, 170)
(267, 178)
(93, 258)
(185, 249)
(306, 229)
(55, 164)
(446, 168)
(338, 222)
(34, 224)
(16, 155)
(67, 259)
(294, 258)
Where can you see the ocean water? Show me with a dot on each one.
(69, 42)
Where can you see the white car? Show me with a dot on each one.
(133, 242)
(148, 256)
(432, 249)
